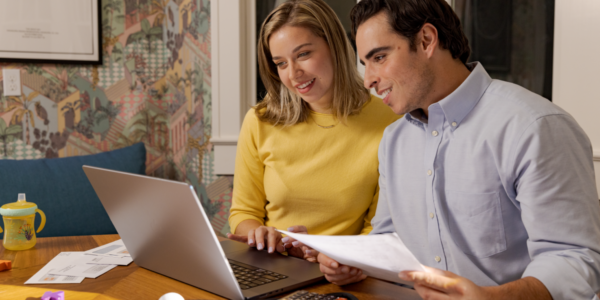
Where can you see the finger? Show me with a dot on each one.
(273, 237)
(298, 229)
(343, 269)
(327, 261)
(259, 233)
(348, 280)
(296, 252)
(292, 242)
(310, 253)
(288, 240)
(280, 247)
(431, 280)
(251, 238)
(238, 238)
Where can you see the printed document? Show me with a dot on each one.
(116, 248)
(44, 276)
(381, 256)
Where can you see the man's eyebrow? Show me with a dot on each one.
(373, 51)
(295, 49)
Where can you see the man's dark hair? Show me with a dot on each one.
(407, 17)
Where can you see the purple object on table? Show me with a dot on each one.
(60, 295)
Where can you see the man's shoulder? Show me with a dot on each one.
(517, 102)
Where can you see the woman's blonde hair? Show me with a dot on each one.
(282, 106)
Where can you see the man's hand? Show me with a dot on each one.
(439, 284)
(339, 274)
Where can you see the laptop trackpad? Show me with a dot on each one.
(275, 262)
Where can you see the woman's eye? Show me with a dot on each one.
(303, 54)
(280, 64)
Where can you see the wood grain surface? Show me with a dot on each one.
(133, 282)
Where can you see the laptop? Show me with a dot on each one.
(165, 229)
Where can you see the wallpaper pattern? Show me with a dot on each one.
(153, 87)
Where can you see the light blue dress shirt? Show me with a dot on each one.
(497, 184)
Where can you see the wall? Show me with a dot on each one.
(577, 66)
(154, 86)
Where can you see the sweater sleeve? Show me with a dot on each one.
(249, 198)
(367, 227)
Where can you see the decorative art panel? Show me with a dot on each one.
(154, 86)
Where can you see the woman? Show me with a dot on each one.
(307, 154)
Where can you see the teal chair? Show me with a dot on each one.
(60, 188)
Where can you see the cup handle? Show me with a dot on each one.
(43, 223)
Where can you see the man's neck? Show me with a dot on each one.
(449, 75)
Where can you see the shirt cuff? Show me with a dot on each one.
(561, 278)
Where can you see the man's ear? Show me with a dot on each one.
(428, 39)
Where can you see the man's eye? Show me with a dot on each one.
(379, 57)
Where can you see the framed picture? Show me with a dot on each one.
(50, 31)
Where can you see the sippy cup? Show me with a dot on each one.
(18, 224)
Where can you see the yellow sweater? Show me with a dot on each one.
(325, 179)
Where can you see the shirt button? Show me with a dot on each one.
(434, 133)
(429, 172)
(431, 215)
(454, 124)
(438, 259)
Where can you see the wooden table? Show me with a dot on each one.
(133, 282)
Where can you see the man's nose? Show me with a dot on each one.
(370, 80)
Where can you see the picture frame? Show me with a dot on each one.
(51, 31)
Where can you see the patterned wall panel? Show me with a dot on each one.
(153, 87)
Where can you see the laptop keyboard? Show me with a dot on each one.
(249, 277)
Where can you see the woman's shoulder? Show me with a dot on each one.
(253, 122)
(375, 110)
(252, 116)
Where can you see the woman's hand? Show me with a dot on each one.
(262, 237)
(297, 249)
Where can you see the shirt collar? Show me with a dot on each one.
(461, 101)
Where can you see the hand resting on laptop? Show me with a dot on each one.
(274, 241)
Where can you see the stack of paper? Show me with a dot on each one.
(73, 267)
(380, 255)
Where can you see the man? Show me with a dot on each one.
(489, 185)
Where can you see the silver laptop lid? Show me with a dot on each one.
(158, 221)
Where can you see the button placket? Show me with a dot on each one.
(434, 135)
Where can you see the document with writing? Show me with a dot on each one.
(45, 275)
(381, 256)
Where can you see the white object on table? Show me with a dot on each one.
(171, 296)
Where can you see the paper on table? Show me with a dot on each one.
(44, 276)
(82, 269)
(115, 248)
(381, 255)
(104, 260)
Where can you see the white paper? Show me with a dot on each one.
(44, 276)
(104, 260)
(82, 269)
(381, 256)
(116, 248)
